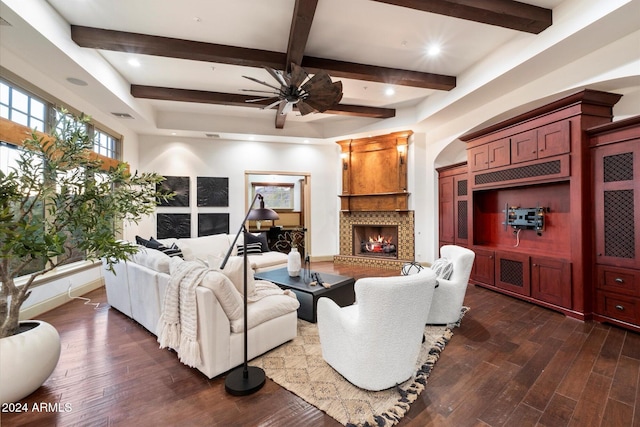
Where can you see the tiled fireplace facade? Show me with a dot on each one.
(405, 244)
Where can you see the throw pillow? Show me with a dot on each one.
(233, 271)
(257, 238)
(252, 249)
(172, 250)
(443, 268)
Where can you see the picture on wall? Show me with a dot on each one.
(178, 185)
(213, 223)
(213, 191)
(173, 225)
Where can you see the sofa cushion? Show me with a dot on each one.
(267, 259)
(201, 247)
(268, 303)
(226, 294)
(153, 259)
(234, 272)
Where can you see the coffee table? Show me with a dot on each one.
(341, 290)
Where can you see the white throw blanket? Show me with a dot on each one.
(178, 323)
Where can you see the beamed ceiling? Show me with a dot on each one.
(176, 69)
(502, 13)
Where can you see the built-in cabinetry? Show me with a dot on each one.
(616, 162)
(453, 205)
(529, 203)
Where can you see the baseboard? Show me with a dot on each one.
(58, 300)
(321, 258)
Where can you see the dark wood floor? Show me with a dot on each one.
(509, 364)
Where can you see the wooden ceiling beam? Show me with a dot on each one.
(372, 73)
(219, 98)
(502, 13)
(300, 28)
(120, 41)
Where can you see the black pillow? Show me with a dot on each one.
(260, 238)
(154, 244)
(252, 249)
(141, 241)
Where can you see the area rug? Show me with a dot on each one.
(298, 366)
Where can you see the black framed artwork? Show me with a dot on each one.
(213, 191)
(178, 185)
(213, 223)
(173, 225)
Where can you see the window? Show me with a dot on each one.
(22, 108)
(9, 155)
(26, 109)
(105, 144)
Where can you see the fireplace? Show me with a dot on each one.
(394, 227)
(375, 241)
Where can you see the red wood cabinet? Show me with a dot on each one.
(492, 155)
(453, 205)
(539, 158)
(616, 163)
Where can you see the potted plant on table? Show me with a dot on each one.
(58, 205)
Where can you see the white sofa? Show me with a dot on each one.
(218, 244)
(137, 288)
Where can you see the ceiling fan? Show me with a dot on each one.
(308, 94)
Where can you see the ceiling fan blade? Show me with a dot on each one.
(298, 75)
(305, 108)
(261, 91)
(253, 79)
(276, 75)
(322, 98)
(260, 99)
(273, 104)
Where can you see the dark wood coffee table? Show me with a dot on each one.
(341, 290)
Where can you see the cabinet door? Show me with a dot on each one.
(551, 281)
(524, 146)
(483, 270)
(446, 210)
(461, 214)
(617, 204)
(512, 272)
(554, 139)
(499, 153)
(478, 158)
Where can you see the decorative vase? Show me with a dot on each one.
(27, 359)
(294, 263)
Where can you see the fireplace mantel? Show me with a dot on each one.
(398, 202)
(374, 173)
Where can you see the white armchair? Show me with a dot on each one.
(449, 295)
(375, 342)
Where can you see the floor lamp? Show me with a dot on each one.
(247, 379)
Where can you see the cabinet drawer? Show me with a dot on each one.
(618, 280)
(620, 307)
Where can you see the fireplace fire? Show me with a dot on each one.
(378, 241)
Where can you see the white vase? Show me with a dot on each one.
(294, 263)
(27, 359)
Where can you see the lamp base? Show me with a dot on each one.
(238, 384)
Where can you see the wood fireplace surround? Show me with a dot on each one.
(374, 194)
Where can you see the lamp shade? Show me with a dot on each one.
(262, 213)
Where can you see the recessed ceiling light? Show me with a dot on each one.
(77, 82)
(134, 62)
(389, 91)
(433, 50)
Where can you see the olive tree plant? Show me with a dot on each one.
(58, 205)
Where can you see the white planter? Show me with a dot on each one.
(27, 360)
(294, 263)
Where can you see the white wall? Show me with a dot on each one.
(173, 156)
